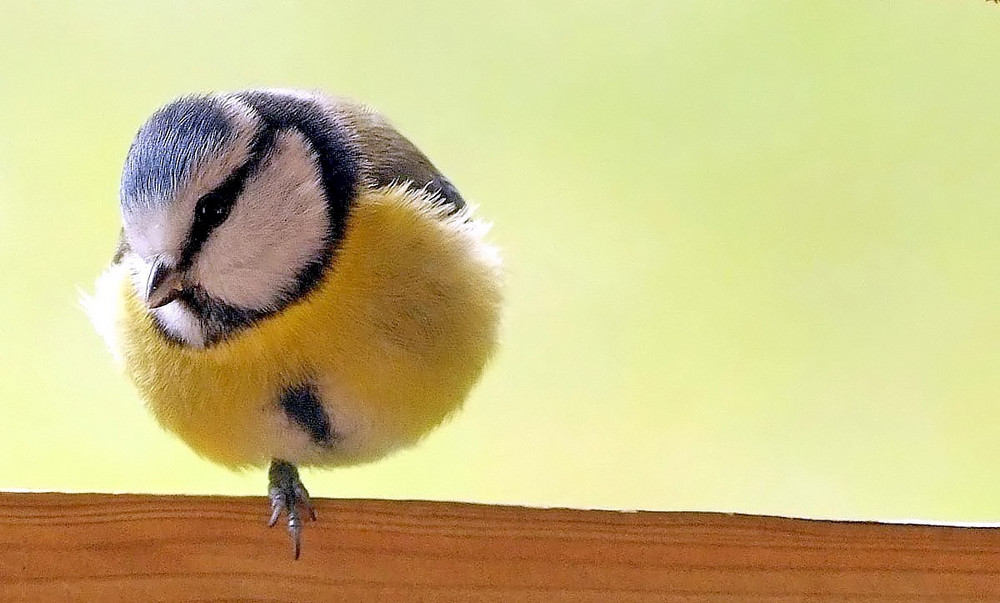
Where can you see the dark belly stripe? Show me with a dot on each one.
(303, 407)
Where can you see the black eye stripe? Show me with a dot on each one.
(338, 159)
(215, 206)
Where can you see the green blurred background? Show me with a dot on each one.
(752, 248)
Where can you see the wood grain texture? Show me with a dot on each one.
(92, 547)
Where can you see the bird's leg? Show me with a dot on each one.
(287, 493)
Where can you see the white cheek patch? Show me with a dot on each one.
(177, 320)
(278, 225)
(157, 231)
(174, 317)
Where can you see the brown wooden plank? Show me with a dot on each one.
(98, 547)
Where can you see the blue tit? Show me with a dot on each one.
(296, 284)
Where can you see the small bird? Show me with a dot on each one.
(295, 285)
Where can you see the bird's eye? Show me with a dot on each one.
(212, 209)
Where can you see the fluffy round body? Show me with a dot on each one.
(313, 324)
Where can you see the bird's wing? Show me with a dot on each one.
(391, 158)
(121, 249)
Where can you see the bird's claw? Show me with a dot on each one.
(287, 494)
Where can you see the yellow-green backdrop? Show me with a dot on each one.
(752, 247)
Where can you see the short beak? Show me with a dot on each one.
(164, 284)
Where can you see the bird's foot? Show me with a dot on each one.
(287, 494)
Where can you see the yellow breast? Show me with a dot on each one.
(395, 337)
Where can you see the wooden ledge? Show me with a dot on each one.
(97, 547)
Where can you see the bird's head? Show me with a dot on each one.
(227, 210)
